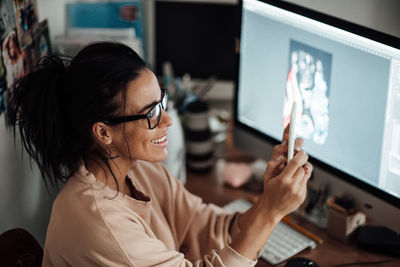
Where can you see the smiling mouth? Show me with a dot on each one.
(159, 140)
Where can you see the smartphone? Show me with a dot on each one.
(292, 131)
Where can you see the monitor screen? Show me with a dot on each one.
(345, 79)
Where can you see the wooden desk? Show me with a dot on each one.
(330, 253)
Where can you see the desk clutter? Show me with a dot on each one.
(205, 135)
(238, 174)
(379, 239)
(343, 222)
(204, 131)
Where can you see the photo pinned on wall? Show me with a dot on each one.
(7, 18)
(308, 84)
(41, 41)
(30, 58)
(129, 13)
(26, 16)
(14, 59)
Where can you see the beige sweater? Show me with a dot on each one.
(89, 226)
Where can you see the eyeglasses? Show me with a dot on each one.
(153, 116)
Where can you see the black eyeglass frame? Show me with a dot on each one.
(147, 115)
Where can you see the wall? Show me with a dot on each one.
(381, 15)
(54, 11)
(24, 200)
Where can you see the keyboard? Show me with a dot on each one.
(283, 243)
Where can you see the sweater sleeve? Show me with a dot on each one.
(90, 226)
(203, 231)
(119, 239)
(145, 250)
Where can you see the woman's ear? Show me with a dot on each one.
(102, 133)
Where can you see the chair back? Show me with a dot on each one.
(18, 248)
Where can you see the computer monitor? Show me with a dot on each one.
(346, 81)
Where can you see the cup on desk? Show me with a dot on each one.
(199, 141)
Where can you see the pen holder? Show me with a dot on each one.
(342, 223)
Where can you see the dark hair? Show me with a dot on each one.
(56, 104)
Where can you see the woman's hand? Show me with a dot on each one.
(278, 159)
(284, 193)
(285, 187)
(285, 184)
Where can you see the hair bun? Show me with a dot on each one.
(54, 64)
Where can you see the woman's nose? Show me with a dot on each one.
(166, 119)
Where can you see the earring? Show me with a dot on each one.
(108, 141)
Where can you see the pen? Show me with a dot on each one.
(302, 230)
(288, 221)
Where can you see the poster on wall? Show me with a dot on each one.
(26, 17)
(106, 14)
(122, 20)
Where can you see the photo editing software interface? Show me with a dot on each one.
(347, 88)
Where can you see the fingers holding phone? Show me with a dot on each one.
(285, 192)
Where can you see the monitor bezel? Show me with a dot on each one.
(338, 23)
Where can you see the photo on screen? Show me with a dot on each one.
(307, 83)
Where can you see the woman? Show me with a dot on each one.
(99, 123)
